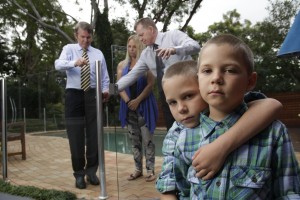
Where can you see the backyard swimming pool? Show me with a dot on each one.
(117, 139)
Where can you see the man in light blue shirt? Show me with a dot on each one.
(80, 103)
(172, 46)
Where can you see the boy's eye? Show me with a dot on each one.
(205, 71)
(188, 97)
(230, 70)
(171, 103)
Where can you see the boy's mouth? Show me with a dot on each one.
(187, 119)
(215, 92)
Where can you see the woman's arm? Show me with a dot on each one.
(120, 68)
(134, 103)
(210, 158)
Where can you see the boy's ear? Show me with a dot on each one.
(252, 81)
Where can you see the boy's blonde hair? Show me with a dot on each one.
(237, 44)
(186, 68)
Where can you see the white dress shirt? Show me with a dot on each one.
(184, 45)
(66, 62)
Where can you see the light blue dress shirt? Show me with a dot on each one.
(184, 45)
(66, 62)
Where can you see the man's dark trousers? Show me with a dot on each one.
(81, 124)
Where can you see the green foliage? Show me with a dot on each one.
(167, 12)
(32, 49)
(103, 37)
(265, 39)
(35, 92)
(34, 192)
(276, 74)
(6, 60)
(120, 31)
(31, 45)
(29, 49)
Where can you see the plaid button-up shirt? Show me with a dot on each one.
(263, 168)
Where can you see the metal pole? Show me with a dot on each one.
(4, 130)
(12, 111)
(106, 110)
(45, 122)
(24, 114)
(103, 193)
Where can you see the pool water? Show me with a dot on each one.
(121, 143)
(117, 140)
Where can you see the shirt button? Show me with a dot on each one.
(218, 183)
(219, 125)
(254, 180)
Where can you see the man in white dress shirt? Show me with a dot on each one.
(172, 46)
(80, 103)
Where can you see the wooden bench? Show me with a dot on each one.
(16, 131)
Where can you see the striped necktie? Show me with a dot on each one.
(85, 72)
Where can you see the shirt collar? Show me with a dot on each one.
(159, 38)
(209, 125)
(79, 48)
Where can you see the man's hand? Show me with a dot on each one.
(105, 97)
(165, 53)
(80, 62)
(208, 160)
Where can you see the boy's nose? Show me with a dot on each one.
(217, 78)
(182, 108)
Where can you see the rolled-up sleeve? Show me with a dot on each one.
(166, 181)
(105, 77)
(65, 60)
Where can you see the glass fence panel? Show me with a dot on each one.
(38, 100)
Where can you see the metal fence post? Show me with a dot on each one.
(24, 114)
(45, 120)
(3, 126)
(103, 193)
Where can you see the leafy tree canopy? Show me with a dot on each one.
(264, 38)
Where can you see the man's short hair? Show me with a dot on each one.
(145, 22)
(84, 26)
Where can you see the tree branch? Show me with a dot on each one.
(194, 10)
(157, 16)
(39, 19)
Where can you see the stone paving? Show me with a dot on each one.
(48, 166)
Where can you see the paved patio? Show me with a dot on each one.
(48, 166)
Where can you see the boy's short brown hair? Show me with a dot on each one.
(238, 45)
(185, 68)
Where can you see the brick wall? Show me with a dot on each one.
(290, 115)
